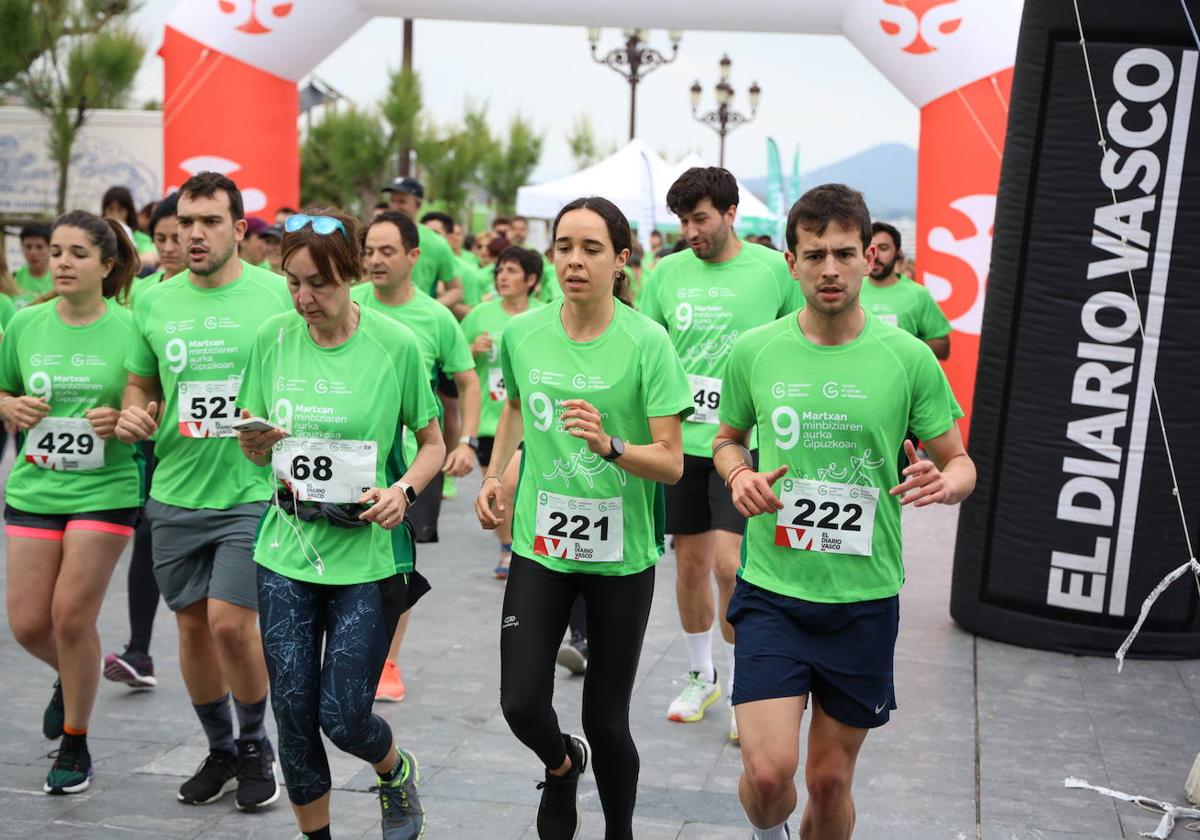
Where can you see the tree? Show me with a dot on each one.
(450, 158)
(344, 159)
(510, 163)
(78, 72)
(402, 109)
(585, 148)
(28, 28)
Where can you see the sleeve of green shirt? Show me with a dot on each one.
(667, 389)
(418, 405)
(934, 408)
(7, 310)
(447, 270)
(737, 405)
(10, 366)
(140, 358)
(648, 304)
(454, 355)
(932, 321)
(250, 392)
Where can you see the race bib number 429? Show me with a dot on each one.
(320, 470)
(826, 516)
(207, 409)
(64, 443)
(570, 528)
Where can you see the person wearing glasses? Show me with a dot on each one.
(337, 384)
(193, 334)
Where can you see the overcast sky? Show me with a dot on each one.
(818, 91)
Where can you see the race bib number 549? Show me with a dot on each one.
(570, 528)
(826, 516)
(207, 409)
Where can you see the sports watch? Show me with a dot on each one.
(472, 442)
(409, 492)
(618, 449)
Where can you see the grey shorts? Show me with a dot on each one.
(205, 553)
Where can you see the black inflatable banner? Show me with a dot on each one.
(1073, 521)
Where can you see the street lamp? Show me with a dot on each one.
(634, 60)
(724, 119)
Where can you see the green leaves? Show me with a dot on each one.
(510, 162)
(344, 159)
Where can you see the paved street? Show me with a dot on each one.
(983, 738)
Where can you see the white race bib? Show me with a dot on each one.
(570, 528)
(706, 394)
(321, 470)
(208, 409)
(496, 390)
(825, 516)
(64, 443)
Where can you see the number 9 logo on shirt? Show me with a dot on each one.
(786, 424)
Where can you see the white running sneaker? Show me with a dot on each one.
(733, 733)
(697, 695)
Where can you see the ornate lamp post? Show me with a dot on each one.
(724, 119)
(633, 61)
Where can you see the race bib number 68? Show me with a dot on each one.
(321, 470)
(826, 516)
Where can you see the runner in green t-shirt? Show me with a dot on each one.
(164, 229)
(61, 379)
(437, 273)
(706, 296)
(517, 273)
(7, 310)
(194, 333)
(597, 393)
(390, 255)
(33, 279)
(117, 204)
(831, 390)
(895, 299)
(341, 381)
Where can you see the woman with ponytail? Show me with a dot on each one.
(72, 499)
(597, 393)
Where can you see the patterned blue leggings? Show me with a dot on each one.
(333, 692)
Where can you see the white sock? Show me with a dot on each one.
(775, 832)
(700, 651)
(729, 662)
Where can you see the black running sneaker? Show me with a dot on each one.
(558, 813)
(134, 668)
(256, 785)
(403, 816)
(573, 654)
(55, 715)
(215, 777)
(72, 769)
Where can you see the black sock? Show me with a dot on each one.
(318, 834)
(74, 742)
(251, 719)
(397, 769)
(217, 721)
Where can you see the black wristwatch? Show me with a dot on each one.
(618, 449)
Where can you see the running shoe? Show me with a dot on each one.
(391, 684)
(573, 654)
(256, 785)
(72, 768)
(449, 488)
(786, 832)
(134, 668)
(697, 695)
(501, 569)
(215, 777)
(558, 813)
(403, 816)
(733, 731)
(55, 714)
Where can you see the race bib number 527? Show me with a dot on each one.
(826, 516)
(208, 409)
(570, 528)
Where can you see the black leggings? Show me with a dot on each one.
(537, 603)
(311, 693)
(143, 588)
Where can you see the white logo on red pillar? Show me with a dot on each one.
(921, 25)
(963, 307)
(253, 199)
(253, 25)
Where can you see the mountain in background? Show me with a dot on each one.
(886, 175)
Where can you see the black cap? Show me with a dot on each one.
(405, 185)
(273, 232)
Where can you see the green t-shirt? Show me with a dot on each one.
(140, 284)
(574, 511)
(197, 341)
(705, 307)
(74, 369)
(7, 310)
(436, 263)
(31, 287)
(364, 390)
(905, 304)
(836, 416)
(142, 243)
(549, 290)
(490, 318)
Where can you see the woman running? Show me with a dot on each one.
(597, 394)
(340, 382)
(72, 501)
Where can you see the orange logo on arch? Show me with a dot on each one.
(252, 25)
(911, 21)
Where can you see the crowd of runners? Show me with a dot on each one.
(274, 416)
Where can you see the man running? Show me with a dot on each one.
(899, 300)
(33, 279)
(437, 275)
(193, 337)
(832, 391)
(706, 297)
